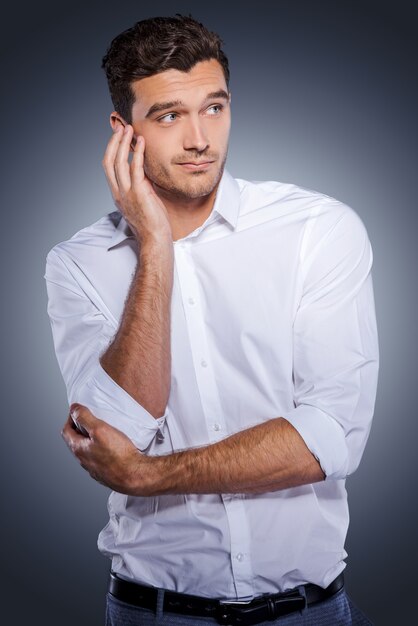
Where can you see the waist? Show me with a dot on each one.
(270, 552)
(261, 608)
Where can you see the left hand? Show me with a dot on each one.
(105, 452)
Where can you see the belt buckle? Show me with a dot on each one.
(260, 610)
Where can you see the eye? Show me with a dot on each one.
(163, 118)
(216, 106)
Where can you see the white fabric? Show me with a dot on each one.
(272, 315)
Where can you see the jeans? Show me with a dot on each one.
(336, 611)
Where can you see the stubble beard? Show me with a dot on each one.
(194, 185)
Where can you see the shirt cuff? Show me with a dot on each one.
(112, 404)
(324, 437)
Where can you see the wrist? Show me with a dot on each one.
(159, 245)
(142, 482)
(161, 475)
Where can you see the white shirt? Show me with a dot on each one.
(272, 314)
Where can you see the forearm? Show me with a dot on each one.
(139, 357)
(267, 457)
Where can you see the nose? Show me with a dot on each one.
(195, 137)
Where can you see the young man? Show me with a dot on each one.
(224, 333)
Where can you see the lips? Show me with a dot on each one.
(195, 162)
(192, 165)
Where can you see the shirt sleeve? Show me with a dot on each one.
(335, 362)
(81, 333)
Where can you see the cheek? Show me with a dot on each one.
(222, 140)
(158, 147)
(152, 152)
(156, 159)
(222, 132)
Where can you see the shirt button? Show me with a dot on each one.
(203, 363)
(191, 300)
(216, 427)
(240, 556)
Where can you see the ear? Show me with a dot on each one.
(116, 120)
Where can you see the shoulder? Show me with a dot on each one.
(315, 211)
(93, 237)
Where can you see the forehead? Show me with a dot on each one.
(191, 86)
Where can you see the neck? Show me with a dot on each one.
(186, 214)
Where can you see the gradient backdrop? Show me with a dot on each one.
(325, 96)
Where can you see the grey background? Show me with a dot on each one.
(323, 95)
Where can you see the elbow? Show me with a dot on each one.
(335, 466)
(343, 467)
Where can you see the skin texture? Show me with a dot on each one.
(266, 457)
(163, 201)
(198, 131)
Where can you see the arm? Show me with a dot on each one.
(335, 378)
(139, 358)
(335, 344)
(266, 457)
(83, 327)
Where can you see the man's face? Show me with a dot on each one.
(193, 127)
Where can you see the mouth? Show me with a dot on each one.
(193, 166)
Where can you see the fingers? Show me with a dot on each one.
(71, 436)
(122, 167)
(109, 162)
(116, 162)
(68, 430)
(132, 191)
(137, 164)
(84, 419)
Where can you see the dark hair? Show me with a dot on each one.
(152, 46)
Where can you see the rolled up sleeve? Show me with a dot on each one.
(335, 358)
(81, 333)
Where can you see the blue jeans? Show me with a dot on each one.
(336, 611)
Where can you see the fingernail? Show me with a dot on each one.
(126, 129)
(74, 414)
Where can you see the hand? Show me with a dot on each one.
(105, 452)
(132, 191)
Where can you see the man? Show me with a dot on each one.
(224, 333)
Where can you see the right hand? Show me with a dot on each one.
(132, 191)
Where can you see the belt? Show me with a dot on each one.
(260, 609)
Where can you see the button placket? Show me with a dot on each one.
(234, 506)
(193, 310)
(240, 544)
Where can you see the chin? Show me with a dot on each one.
(187, 185)
(191, 185)
(201, 185)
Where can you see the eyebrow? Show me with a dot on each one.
(162, 106)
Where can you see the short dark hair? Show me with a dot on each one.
(152, 46)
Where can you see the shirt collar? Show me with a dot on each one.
(227, 199)
(226, 205)
(122, 231)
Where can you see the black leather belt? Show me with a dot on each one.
(262, 608)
